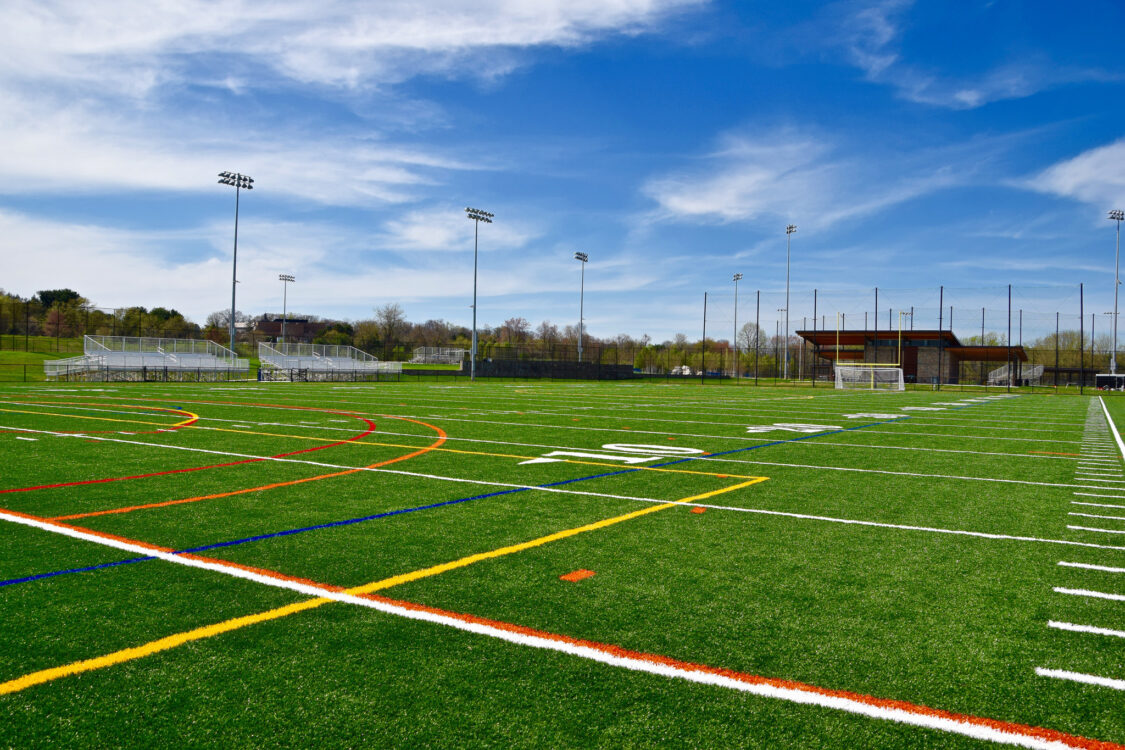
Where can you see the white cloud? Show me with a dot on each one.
(869, 35)
(1096, 176)
(446, 228)
(787, 174)
(132, 46)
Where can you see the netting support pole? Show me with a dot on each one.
(703, 346)
(1081, 339)
(940, 311)
(1009, 338)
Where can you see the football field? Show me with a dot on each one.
(550, 564)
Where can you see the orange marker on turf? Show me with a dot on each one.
(577, 575)
(698, 510)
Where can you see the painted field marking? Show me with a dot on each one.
(1090, 594)
(1088, 679)
(1088, 566)
(183, 423)
(1113, 429)
(163, 644)
(1086, 629)
(273, 485)
(1091, 494)
(33, 440)
(1097, 505)
(577, 575)
(1103, 531)
(1091, 515)
(786, 690)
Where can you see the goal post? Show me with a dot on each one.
(870, 377)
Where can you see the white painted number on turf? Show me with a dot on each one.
(792, 427)
(626, 453)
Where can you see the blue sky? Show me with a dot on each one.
(915, 144)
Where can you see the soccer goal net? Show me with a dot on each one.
(870, 377)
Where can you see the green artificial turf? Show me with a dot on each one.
(905, 547)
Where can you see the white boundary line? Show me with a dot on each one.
(1113, 428)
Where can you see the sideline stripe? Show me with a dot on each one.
(1113, 428)
(779, 689)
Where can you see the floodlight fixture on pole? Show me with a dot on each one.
(285, 280)
(736, 278)
(583, 258)
(789, 230)
(239, 182)
(477, 215)
(1116, 215)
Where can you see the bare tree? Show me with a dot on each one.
(391, 320)
(516, 329)
(547, 332)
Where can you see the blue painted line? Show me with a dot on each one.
(402, 511)
(87, 569)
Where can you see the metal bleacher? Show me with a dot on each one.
(322, 362)
(148, 358)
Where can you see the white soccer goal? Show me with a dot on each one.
(870, 377)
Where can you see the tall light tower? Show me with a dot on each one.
(285, 280)
(736, 278)
(477, 216)
(240, 182)
(789, 230)
(1116, 215)
(584, 259)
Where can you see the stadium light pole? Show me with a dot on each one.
(239, 182)
(285, 280)
(1116, 215)
(789, 230)
(477, 216)
(584, 259)
(737, 278)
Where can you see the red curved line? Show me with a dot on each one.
(370, 428)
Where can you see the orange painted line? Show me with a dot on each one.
(274, 485)
(577, 575)
(1051, 453)
(1025, 730)
(370, 428)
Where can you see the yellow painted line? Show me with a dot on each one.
(172, 641)
(165, 425)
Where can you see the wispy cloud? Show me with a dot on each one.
(787, 174)
(132, 47)
(1096, 176)
(868, 33)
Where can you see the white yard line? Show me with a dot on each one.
(1090, 594)
(1091, 515)
(1097, 505)
(1100, 531)
(1085, 629)
(1088, 566)
(1091, 494)
(1089, 679)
